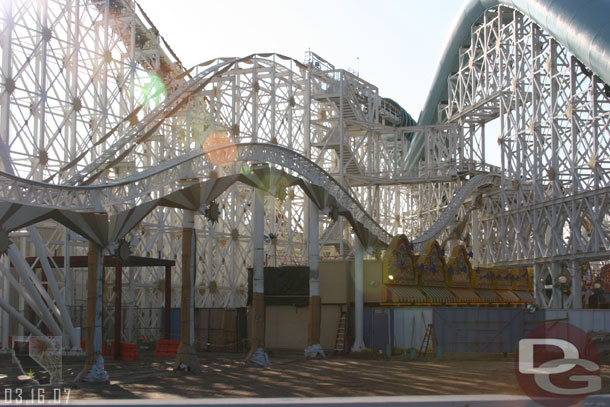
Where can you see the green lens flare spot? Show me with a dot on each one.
(150, 90)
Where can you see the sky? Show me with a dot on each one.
(393, 44)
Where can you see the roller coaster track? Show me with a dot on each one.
(146, 127)
(450, 212)
(168, 176)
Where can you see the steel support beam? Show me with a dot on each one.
(257, 349)
(315, 309)
(19, 318)
(64, 314)
(576, 275)
(4, 316)
(358, 296)
(41, 308)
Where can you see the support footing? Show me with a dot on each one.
(314, 351)
(186, 359)
(96, 373)
(259, 357)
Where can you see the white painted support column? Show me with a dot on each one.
(68, 270)
(64, 315)
(259, 243)
(75, 337)
(10, 279)
(315, 308)
(313, 249)
(5, 103)
(6, 296)
(576, 274)
(25, 271)
(8, 309)
(557, 299)
(539, 298)
(22, 267)
(475, 237)
(257, 351)
(99, 291)
(20, 331)
(358, 297)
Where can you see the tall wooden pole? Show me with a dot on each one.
(94, 362)
(168, 302)
(186, 356)
(118, 310)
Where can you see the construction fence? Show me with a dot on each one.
(466, 329)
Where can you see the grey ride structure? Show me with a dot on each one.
(109, 146)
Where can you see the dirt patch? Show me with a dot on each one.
(290, 375)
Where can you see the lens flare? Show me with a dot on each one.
(150, 90)
(223, 156)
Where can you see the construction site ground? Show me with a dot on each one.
(290, 375)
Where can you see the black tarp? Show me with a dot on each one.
(288, 285)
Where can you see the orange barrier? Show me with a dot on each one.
(83, 346)
(167, 348)
(129, 351)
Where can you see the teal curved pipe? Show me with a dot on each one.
(581, 26)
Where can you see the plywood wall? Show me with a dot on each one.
(286, 327)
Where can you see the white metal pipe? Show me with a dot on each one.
(37, 284)
(6, 295)
(10, 279)
(258, 279)
(576, 273)
(358, 296)
(22, 267)
(21, 308)
(475, 237)
(97, 338)
(20, 318)
(5, 109)
(64, 315)
(313, 248)
(67, 270)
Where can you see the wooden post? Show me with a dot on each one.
(186, 353)
(91, 302)
(118, 299)
(168, 302)
(94, 362)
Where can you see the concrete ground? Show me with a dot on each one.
(290, 375)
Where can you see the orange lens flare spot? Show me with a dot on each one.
(220, 149)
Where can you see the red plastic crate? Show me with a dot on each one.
(129, 351)
(83, 346)
(167, 348)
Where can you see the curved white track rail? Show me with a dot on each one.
(467, 190)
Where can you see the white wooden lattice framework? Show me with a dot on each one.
(81, 86)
